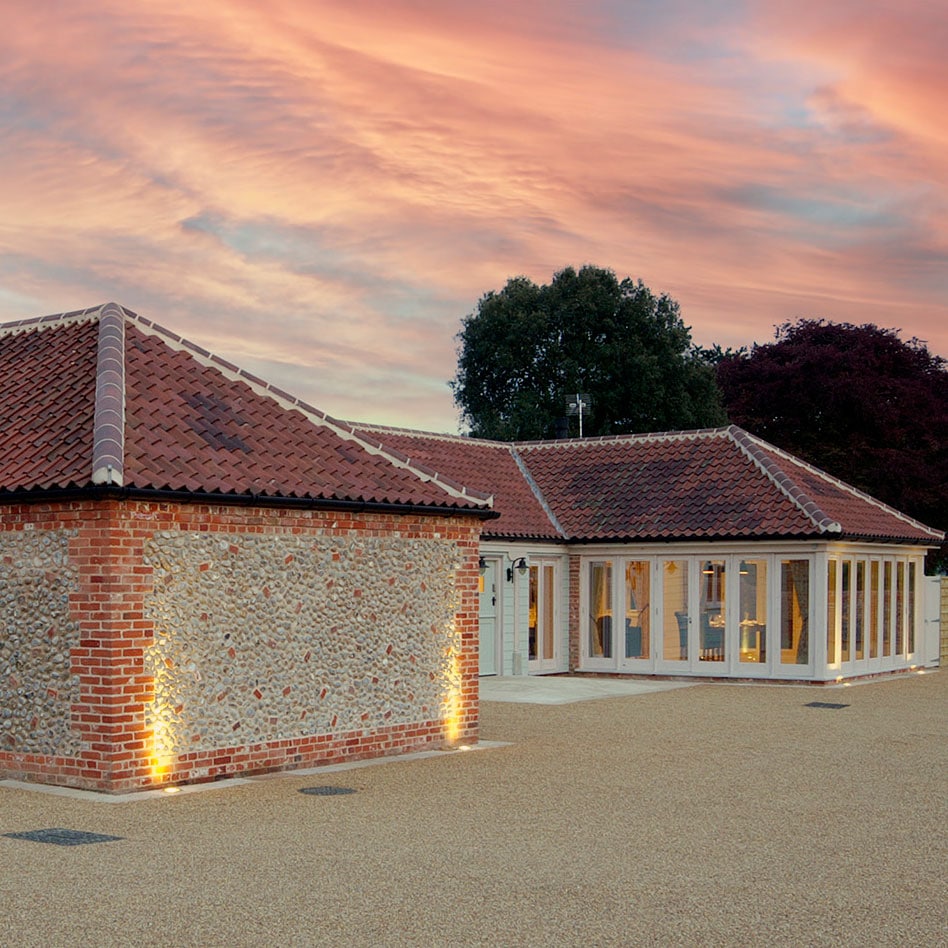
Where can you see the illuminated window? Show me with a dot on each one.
(899, 608)
(831, 609)
(711, 611)
(599, 625)
(887, 608)
(753, 604)
(846, 602)
(542, 628)
(637, 609)
(911, 608)
(859, 628)
(794, 612)
(675, 610)
(874, 609)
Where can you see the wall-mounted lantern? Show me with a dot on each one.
(482, 565)
(520, 566)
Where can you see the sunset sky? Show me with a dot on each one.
(319, 191)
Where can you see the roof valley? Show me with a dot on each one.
(532, 484)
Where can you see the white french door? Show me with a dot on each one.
(696, 616)
(542, 650)
(721, 614)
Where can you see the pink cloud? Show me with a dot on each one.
(325, 189)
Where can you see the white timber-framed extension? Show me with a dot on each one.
(704, 554)
(524, 609)
(778, 611)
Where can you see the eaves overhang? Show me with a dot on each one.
(525, 538)
(822, 537)
(703, 539)
(930, 543)
(103, 492)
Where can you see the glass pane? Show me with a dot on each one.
(753, 611)
(711, 612)
(600, 610)
(874, 610)
(899, 608)
(675, 611)
(859, 629)
(637, 609)
(795, 612)
(546, 632)
(847, 605)
(887, 609)
(532, 630)
(911, 607)
(831, 613)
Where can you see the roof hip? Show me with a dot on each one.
(108, 439)
(749, 445)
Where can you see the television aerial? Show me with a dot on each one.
(579, 404)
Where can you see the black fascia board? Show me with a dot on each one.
(159, 495)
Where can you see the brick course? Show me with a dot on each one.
(576, 630)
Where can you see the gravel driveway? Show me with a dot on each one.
(717, 814)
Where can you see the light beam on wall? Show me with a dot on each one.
(452, 699)
(162, 740)
(162, 757)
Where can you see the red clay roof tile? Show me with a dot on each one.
(713, 484)
(660, 488)
(189, 424)
(857, 514)
(486, 465)
(47, 404)
(195, 423)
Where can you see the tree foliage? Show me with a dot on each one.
(528, 349)
(857, 402)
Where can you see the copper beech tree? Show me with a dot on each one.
(856, 401)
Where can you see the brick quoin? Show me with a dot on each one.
(574, 626)
(112, 581)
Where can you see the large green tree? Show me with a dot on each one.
(528, 349)
(856, 401)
